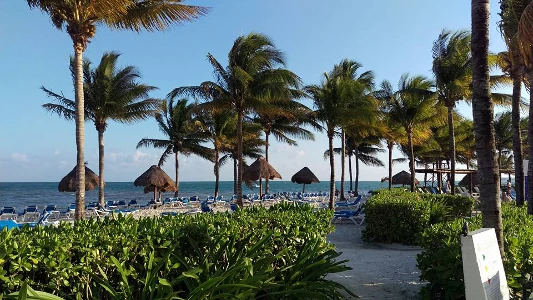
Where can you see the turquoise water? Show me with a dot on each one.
(20, 194)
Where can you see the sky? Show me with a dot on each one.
(389, 37)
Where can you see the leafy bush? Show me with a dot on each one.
(273, 253)
(440, 263)
(459, 206)
(399, 216)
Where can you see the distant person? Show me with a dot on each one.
(448, 187)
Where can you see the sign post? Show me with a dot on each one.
(482, 266)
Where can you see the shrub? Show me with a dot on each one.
(440, 262)
(399, 216)
(278, 251)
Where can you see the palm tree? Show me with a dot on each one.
(452, 70)
(79, 18)
(284, 121)
(181, 133)
(483, 110)
(413, 106)
(110, 93)
(514, 66)
(503, 135)
(254, 76)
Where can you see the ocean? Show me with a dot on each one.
(20, 194)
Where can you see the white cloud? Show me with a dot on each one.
(300, 154)
(57, 152)
(20, 157)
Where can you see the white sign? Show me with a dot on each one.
(483, 267)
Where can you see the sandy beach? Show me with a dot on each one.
(379, 271)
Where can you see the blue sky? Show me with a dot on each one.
(388, 37)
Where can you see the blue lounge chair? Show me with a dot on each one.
(8, 213)
(133, 204)
(206, 208)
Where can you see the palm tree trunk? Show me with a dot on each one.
(411, 159)
(234, 176)
(101, 166)
(530, 152)
(350, 171)
(332, 170)
(343, 160)
(483, 113)
(500, 166)
(177, 175)
(80, 132)
(516, 74)
(267, 134)
(390, 145)
(451, 132)
(239, 157)
(217, 171)
(356, 172)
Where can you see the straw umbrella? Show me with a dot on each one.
(68, 183)
(157, 178)
(304, 176)
(403, 178)
(260, 169)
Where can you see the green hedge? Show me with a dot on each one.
(440, 263)
(273, 253)
(398, 216)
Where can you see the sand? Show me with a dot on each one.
(379, 271)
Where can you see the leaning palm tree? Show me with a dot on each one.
(285, 120)
(483, 110)
(182, 135)
(254, 76)
(452, 71)
(111, 93)
(80, 18)
(413, 106)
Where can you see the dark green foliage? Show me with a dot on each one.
(273, 253)
(398, 216)
(440, 263)
(459, 206)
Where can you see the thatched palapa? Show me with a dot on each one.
(155, 179)
(68, 183)
(403, 178)
(259, 169)
(304, 176)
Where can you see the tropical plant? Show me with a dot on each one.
(255, 75)
(284, 120)
(414, 107)
(80, 18)
(483, 110)
(503, 135)
(110, 93)
(452, 71)
(182, 136)
(512, 63)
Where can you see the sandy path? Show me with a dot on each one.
(378, 271)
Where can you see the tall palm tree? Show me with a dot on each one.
(254, 76)
(414, 107)
(80, 18)
(452, 71)
(285, 120)
(503, 135)
(111, 93)
(182, 136)
(514, 66)
(483, 110)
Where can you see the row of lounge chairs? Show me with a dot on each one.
(349, 211)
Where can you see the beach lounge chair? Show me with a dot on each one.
(347, 215)
(30, 214)
(353, 205)
(111, 204)
(133, 204)
(121, 204)
(8, 213)
(205, 207)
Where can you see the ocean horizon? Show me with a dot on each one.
(21, 194)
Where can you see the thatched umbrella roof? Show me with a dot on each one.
(466, 180)
(155, 179)
(154, 176)
(257, 170)
(403, 178)
(68, 183)
(304, 176)
(260, 169)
